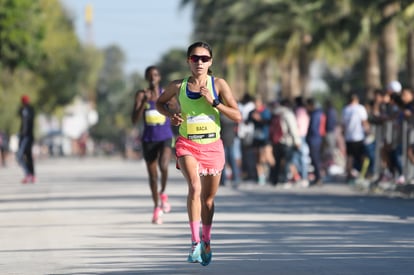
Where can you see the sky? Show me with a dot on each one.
(144, 30)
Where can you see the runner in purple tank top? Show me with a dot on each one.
(156, 140)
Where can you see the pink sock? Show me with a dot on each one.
(206, 232)
(195, 231)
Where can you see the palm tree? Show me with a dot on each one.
(216, 23)
(407, 25)
(390, 40)
(254, 35)
(282, 37)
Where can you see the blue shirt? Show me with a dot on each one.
(331, 120)
(314, 124)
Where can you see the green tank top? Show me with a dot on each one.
(201, 120)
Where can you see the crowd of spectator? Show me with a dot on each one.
(304, 142)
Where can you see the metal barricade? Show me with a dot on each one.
(384, 137)
(379, 141)
(408, 139)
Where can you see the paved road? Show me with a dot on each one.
(92, 216)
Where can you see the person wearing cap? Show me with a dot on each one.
(390, 131)
(26, 138)
(394, 87)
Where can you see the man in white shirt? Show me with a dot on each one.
(355, 125)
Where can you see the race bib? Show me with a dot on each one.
(199, 127)
(153, 117)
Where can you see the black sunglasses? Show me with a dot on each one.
(203, 58)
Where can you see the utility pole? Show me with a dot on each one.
(88, 24)
(90, 44)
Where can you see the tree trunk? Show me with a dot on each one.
(252, 72)
(304, 67)
(240, 84)
(410, 58)
(290, 79)
(390, 42)
(295, 79)
(372, 69)
(285, 80)
(265, 83)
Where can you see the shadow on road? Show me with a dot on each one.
(274, 233)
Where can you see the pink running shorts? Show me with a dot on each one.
(210, 156)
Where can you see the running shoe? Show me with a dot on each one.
(261, 180)
(304, 183)
(206, 254)
(165, 206)
(400, 180)
(26, 180)
(156, 217)
(29, 179)
(194, 255)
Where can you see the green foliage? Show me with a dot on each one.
(246, 34)
(21, 33)
(63, 62)
(40, 55)
(113, 100)
(12, 86)
(173, 66)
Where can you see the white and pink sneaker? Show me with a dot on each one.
(165, 206)
(156, 217)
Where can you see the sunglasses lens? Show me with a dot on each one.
(203, 58)
(194, 58)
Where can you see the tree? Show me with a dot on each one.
(173, 66)
(112, 99)
(407, 29)
(62, 63)
(39, 56)
(360, 39)
(21, 34)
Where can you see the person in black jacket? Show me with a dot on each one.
(26, 138)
